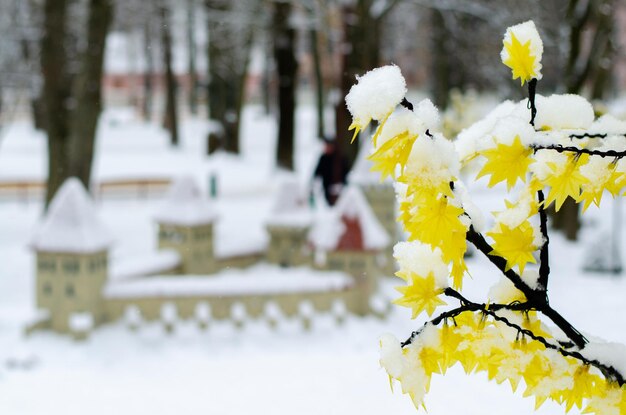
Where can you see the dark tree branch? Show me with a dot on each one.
(609, 372)
(544, 267)
(571, 149)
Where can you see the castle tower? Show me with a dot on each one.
(288, 226)
(381, 198)
(349, 238)
(186, 225)
(71, 247)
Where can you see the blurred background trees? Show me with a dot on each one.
(172, 59)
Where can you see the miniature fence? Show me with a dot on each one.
(273, 310)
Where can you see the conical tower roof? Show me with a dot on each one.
(71, 223)
(185, 205)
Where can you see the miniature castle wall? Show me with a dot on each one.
(193, 243)
(71, 284)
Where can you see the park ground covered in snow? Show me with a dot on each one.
(331, 369)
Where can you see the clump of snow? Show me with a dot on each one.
(421, 259)
(71, 223)
(80, 322)
(608, 124)
(609, 353)
(428, 113)
(132, 315)
(433, 160)
(376, 94)
(328, 227)
(525, 33)
(391, 357)
(185, 205)
(402, 120)
(568, 112)
(477, 137)
(531, 278)
(504, 291)
(475, 214)
(514, 216)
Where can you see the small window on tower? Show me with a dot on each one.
(47, 288)
(69, 290)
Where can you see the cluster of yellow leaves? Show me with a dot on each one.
(426, 212)
(436, 222)
(481, 344)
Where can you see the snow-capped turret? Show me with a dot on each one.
(71, 224)
(185, 205)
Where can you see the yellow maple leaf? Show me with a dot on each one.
(393, 152)
(520, 59)
(421, 294)
(431, 358)
(507, 162)
(516, 245)
(565, 180)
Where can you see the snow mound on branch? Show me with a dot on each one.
(429, 114)
(376, 94)
(185, 205)
(71, 223)
(609, 353)
(563, 112)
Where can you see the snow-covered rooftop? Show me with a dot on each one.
(291, 206)
(185, 205)
(258, 280)
(329, 227)
(149, 264)
(71, 223)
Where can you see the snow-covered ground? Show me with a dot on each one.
(328, 370)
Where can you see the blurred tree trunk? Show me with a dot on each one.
(586, 66)
(319, 80)
(56, 93)
(360, 52)
(87, 91)
(148, 87)
(170, 121)
(440, 60)
(191, 42)
(71, 104)
(286, 67)
(229, 45)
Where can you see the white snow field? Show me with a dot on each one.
(331, 369)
